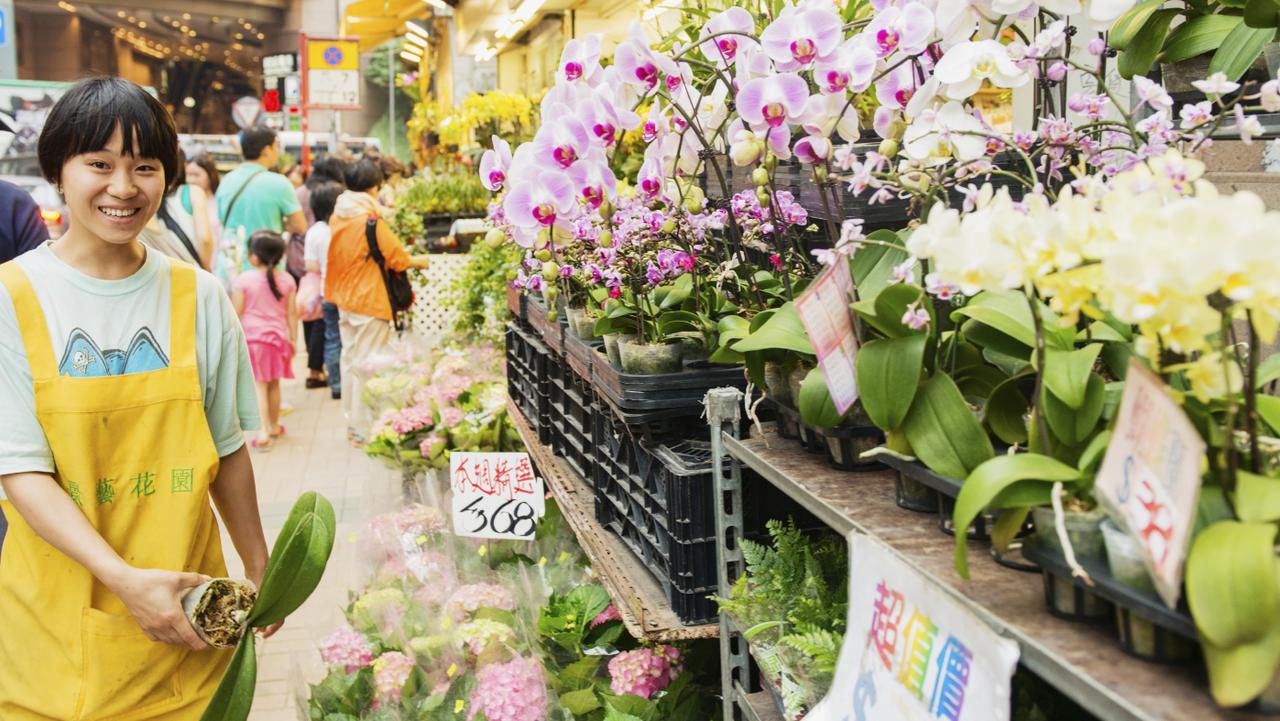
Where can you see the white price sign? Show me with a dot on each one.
(911, 652)
(495, 495)
(824, 312)
(1149, 481)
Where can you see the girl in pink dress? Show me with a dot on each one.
(264, 299)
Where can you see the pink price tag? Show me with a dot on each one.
(824, 310)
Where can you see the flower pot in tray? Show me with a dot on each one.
(650, 358)
(582, 322)
(611, 341)
(1138, 635)
(1084, 530)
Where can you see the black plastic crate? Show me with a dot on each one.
(527, 382)
(551, 332)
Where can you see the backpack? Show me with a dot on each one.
(399, 289)
(295, 261)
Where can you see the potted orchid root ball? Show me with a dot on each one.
(219, 610)
(640, 358)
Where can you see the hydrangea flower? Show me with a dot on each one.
(379, 608)
(482, 632)
(607, 615)
(473, 597)
(390, 671)
(346, 648)
(644, 671)
(511, 691)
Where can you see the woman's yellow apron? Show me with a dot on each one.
(135, 454)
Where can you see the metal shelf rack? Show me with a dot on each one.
(1084, 662)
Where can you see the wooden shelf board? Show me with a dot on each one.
(636, 594)
(1084, 661)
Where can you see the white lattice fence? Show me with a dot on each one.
(431, 316)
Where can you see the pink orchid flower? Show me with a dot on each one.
(638, 64)
(581, 59)
(561, 140)
(801, 36)
(656, 123)
(773, 101)
(538, 198)
(744, 139)
(651, 180)
(813, 150)
(904, 29)
(600, 121)
(494, 164)
(896, 89)
(849, 68)
(593, 179)
(725, 34)
(827, 114)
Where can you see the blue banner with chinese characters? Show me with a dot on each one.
(912, 653)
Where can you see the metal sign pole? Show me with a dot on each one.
(391, 97)
(304, 65)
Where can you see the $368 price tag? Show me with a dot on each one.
(495, 495)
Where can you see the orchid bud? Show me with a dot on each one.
(820, 173)
(606, 239)
(762, 197)
(669, 226)
(746, 148)
(553, 315)
(696, 195)
(760, 177)
(915, 181)
(543, 254)
(606, 210)
(1057, 71)
(550, 270)
(770, 162)
(494, 237)
(888, 147)
(897, 127)
(692, 204)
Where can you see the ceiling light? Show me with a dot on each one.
(192, 33)
(188, 102)
(414, 39)
(216, 19)
(186, 16)
(66, 6)
(142, 25)
(262, 36)
(528, 8)
(132, 19)
(413, 27)
(121, 14)
(239, 36)
(411, 57)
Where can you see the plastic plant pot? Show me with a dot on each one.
(1139, 636)
(582, 323)
(1067, 600)
(649, 358)
(1084, 529)
(914, 495)
(775, 384)
(693, 350)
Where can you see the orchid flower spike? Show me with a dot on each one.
(494, 165)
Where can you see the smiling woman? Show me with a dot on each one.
(125, 391)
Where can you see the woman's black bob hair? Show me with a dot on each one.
(85, 117)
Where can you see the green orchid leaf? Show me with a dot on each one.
(1231, 582)
(1269, 411)
(891, 304)
(1092, 455)
(1067, 373)
(1138, 58)
(996, 345)
(872, 266)
(1101, 331)
(978, 382)
(1198, 36)
(297, 560)
(1131, 24)
(1074, 426)
(1257, 497)
(1006, 409)
(815, 404)
(1268, 370)
(781, 331)
(888, 373)
(1006, 312)
(678, 292)
(1261, 14)
(1211, 508)
(1239, 674)
(943, 431)
(1007, 526)
(1239, 49)
(991, 479)
(234, 696)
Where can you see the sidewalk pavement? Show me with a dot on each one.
(313, 455)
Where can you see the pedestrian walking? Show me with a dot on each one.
(322, 198)
(124, 378)
(356, 282)
(253, 197)
(264, 300)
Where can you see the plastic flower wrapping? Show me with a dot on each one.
(453, 400)
(442, 627)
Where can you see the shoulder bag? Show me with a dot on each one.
(399, 289)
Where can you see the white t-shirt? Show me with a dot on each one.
(316, 246)
(110, 327)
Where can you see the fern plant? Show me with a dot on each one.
(791, 604)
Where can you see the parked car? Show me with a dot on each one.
(52, 210)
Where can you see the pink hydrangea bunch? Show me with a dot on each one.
(390, 671)
(511, 691)
(475, 596)
(411, 419)
(421, 519)
(432, 446)
(346, 648)
(644, 671)
(451, 416)
(607, 615)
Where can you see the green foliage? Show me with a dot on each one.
(792, 604)
(448, 193)
(478, 293)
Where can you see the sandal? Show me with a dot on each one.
(261, 446)
(279, 433)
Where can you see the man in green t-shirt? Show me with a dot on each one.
(252, 197)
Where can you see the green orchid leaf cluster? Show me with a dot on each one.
(297, 563)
